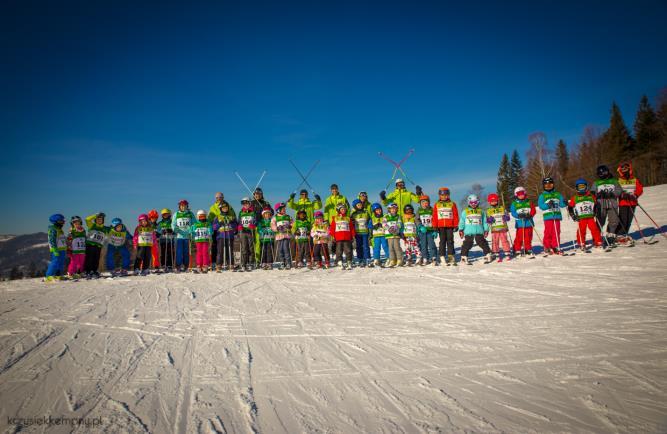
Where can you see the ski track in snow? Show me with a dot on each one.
(559, 344)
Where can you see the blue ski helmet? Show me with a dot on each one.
(55, 218)
(355, 202)
(115, 222)
(578, 182)
(376, 206)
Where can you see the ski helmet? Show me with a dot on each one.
(267, 209)
(319, 214)
(115, 222)
(279, 205)
(362, 193)
(245, 200)
(341, 206)
(493, 197)
(100, 215)
(355, 202)
(392, 205)
(548, 180)
(57, 218)
(424, 197)
(581, 185)
(408, 207)
(399, 181)
(333, 186)
(443, 190)
(519, 190)
(258, 190)
(165, 211)
(201, 213)
(603, 171)
(76, 218)
(183, 202)
(303, 191)
(376, 206)
(142, 217)
(473, 200)
(152, 214)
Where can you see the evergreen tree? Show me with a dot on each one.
(32, 270)
(562, 164)
(646, 128)
(503, 184)
(15, 273)
(516, 172)
(616, 140)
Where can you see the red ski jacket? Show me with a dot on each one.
(631, 186)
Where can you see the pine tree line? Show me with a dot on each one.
(646, 148)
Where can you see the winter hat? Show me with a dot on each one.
(493, 197)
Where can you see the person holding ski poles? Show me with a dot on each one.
(166, 240)
(628, 200)
(446, 221)
(581, 208)
(225, 227)
(523, 210)
(330, 211)
(550, 202)
(400, 196)
(607, 190)
(181, 225)
(259, 204)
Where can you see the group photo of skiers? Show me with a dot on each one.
(404, 228)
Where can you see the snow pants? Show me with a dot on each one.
(76, 263)
(284, 255)
(203, 255)
(479, 239)
(225, 251)
(588, 223)
(167, 252)
(155, 255)
(363, 249)
(57, 264)
(321, 253)
(247, 240)
(380, 242)
(427, 246)
(625, 216)
(302, 251)
(111, 257)
(412, 248)
(92, 263)
(523, 239)
(446, 240)
(606, 212)
(344, 247)
(395, 251)
(143, 259)
(499, 239)
(182, 252)
(551, 234)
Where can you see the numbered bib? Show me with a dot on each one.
(342, 226)
(474, 219)
(410, 228)
(61, 242)
(445, 213)
(282, 226)
(145, 238)
(183, 222)
(247, 220)
(96, 236)
(629, 187)
(201, 233)
(78, 244)
(584, 208)
(116, 240)
(608, 188)
(361, 224)
(426, 220)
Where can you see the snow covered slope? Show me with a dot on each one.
(558, 344)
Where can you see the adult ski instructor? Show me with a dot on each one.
(400, 196)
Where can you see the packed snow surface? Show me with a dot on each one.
(557, 344)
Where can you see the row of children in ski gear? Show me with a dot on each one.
(266, 239)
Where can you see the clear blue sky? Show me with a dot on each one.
(122, 108)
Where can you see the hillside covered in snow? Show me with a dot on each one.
(557, 344)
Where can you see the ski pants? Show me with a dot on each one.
(446, 240)
(523, 240)
(57, 264)
(380, 242)
(606, 212)
(76, 262)
(182, 252)
(167, 252)
(588, 223)
(111, 257)
(225, 251)
(625, 217)
(551, 234)
(214, 248)
(479, 239)
(499, 239)
(284, 254)
(266, 253)
(344, 247)
(363, 249)
(203, 255)
(155, 255)
(247, 241)
(412, 247)
(427, 246)
(321, 253)
(302, 251)
(143, 259)
(395, 251)
(92, 263)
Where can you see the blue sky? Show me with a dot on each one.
(124, 108)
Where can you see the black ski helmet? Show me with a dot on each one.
(548, 180)
(603, 171)
(408, 207)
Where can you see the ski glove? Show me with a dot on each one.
(422, 229)
(291, 196)
(383, 195)
(490, 220)
(506, 218)
(434, 234)
(418, 190)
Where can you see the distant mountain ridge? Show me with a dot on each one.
(29, 253)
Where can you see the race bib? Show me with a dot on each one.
(61, 242)
(116, 240)
(247, 220)
(426, 220)
(392, 227)
(629, 187)
(445, 213)
(183, 222)
(410, 228)
(96, 236)
(282, 226)
(302, 233)
(608, 188)
(361, 224)
(201, 233)
(584, 208)
(145, 238)
(342, 226)
(78, 244)
(474, 219)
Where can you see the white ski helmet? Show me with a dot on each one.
(201, 212)
(473, 199)
(519, 190)
(399, 181)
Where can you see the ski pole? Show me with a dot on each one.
(641, 234)
(651, 218)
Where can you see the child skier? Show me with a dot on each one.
(153, 217)
(393, 228)
(320, 234)
(202, 234)
(550, 202)
(362, 221)
(96, 236)
(246, 230)
(427, 232)
(281, 223)
(607, 190)
(119, 239)
(76, 242)
(143, 240)
(410, 227)
(166, 240)
(446, 219)
(266, 239)
(225, 226)
(581, 208)
(342, 231)
(181, 224)
(523, 210)
(57, 248)
(473, 228)
(632, 189)
(497, 218)
(379, 240)
(301, 232)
